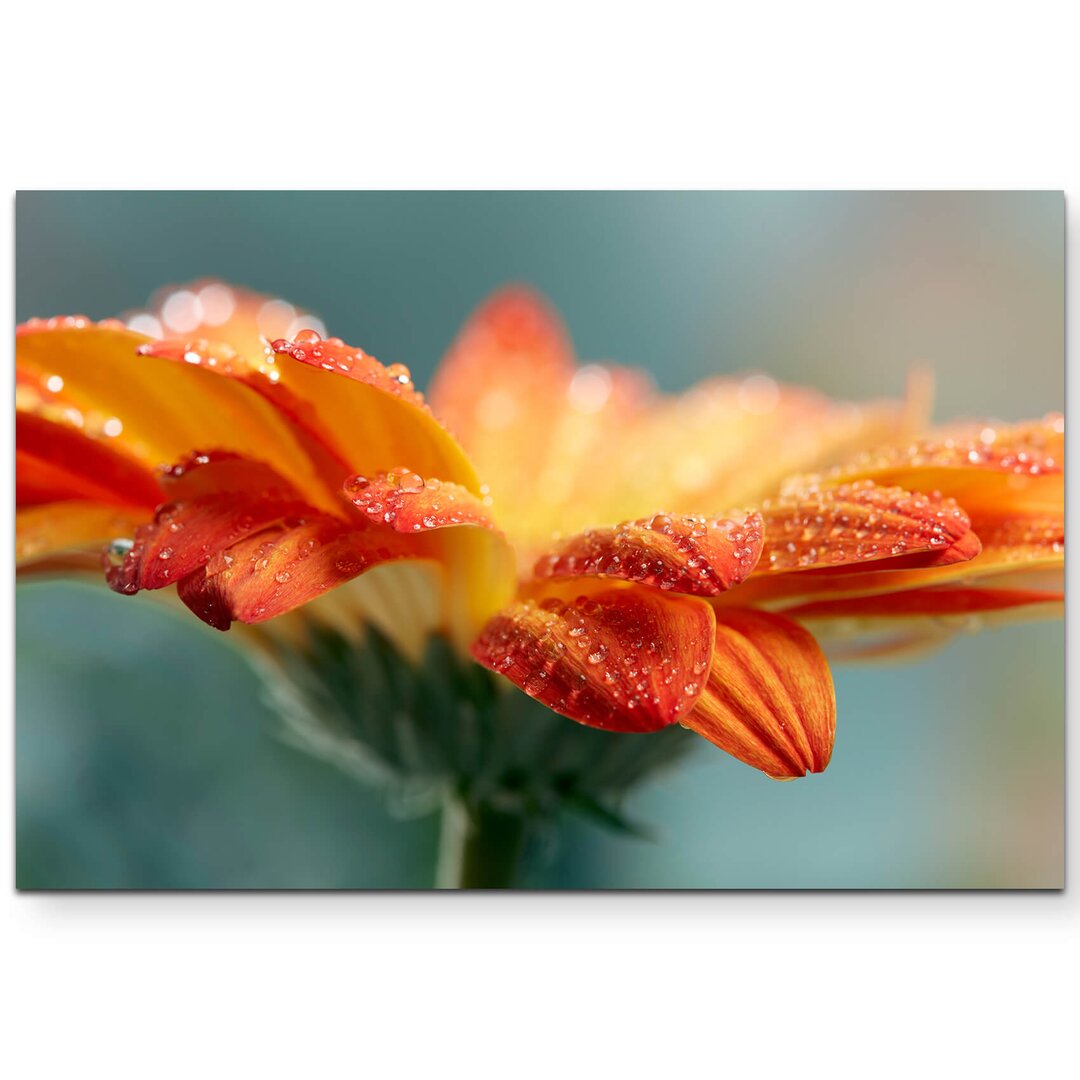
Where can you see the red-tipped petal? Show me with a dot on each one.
(217, 499)
(621, 658)
(279, 569)
(769, 699)
(683, 554)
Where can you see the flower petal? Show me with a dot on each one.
(1016, 552)
(988, 467)
(280, 568)
(813, 527)
(163, 408)
(381, 419)
(769, 698)
(371, 426)
(477, 560)
(684, 554)
(618, 657)
(55, 462)
(406, 502)
(511, 361)
(509, 388)
(217, 499)
(596, 444)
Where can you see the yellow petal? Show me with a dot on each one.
(164, 410)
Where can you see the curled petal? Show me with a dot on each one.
(478, 561)
(684, 554)
(280, 568)
(216, 500)
(382, 420)
(405, 501)
(621, 658)
(769, 698)
(858, 523)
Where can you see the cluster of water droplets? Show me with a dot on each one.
(1022, 449)
(404, 500)
(677, 552)
(595, 661)
(1021, 538)
(823, 526)
(332, 354)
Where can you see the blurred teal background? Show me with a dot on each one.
(145, 758)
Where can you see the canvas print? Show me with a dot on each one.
(541, 540)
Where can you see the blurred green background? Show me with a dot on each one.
(145, 758)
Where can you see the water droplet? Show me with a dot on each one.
(118, 550)
(535, 684)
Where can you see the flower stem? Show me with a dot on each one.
(479, 847)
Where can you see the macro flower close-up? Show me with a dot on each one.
(635, 561)
(523, 590)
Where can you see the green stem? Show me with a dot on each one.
(479, 847)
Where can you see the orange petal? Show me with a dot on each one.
(681, 553)
(509, 388)
(477, 560)
(381, 419)
(596, 444)
(1012, 553)
(511, 359)
(990, 468)
(769, 698)
(858, 523)
(265, 380)
(406, 502)
(372, 426)
(280, 568)
(621, 658)
(218, 499)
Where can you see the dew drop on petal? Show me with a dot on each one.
(118, 550)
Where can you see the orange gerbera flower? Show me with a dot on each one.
(234, 452)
